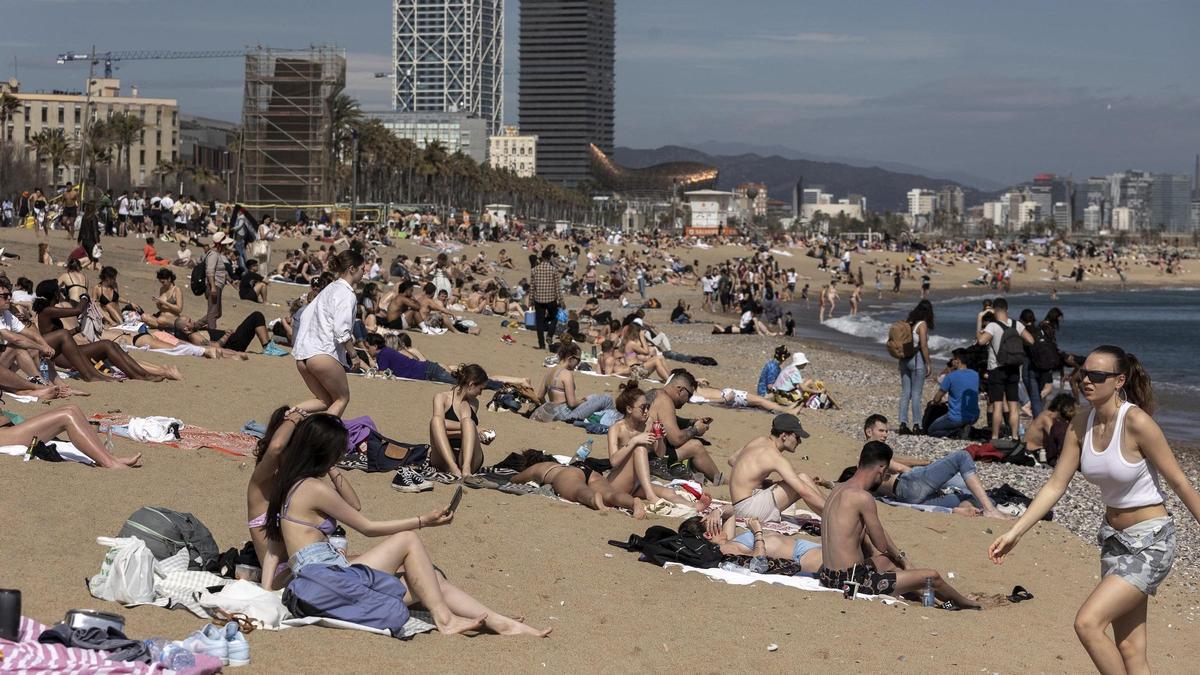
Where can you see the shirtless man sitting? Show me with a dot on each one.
(1044, 436)
(403, 311)
(682, 443)
(851, 535)
(757, 461)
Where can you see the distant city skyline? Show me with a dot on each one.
(1001, 91)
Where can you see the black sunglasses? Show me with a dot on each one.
(1097, 376)
(644, 407)
(5, 295)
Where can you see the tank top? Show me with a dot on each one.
(1122, 485)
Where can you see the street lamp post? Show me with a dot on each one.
(354, 176)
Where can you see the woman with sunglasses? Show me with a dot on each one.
(1118, 447)
(630, 444)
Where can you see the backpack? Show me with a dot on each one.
(199, 279)
(900, 340)
(661, 545)
(166, 532)
(1012, 347)
(1043, 352)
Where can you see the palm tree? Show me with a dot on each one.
(125, 129)
(53, 146)
(204, 179)
(8, 107)
(165, 168)
(344, 119)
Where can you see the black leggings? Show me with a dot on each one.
(243, 335)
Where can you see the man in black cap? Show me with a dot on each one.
(763, 456)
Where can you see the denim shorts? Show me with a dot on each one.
(318, 553)
(1141, 554)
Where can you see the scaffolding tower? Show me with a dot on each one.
(287, 126)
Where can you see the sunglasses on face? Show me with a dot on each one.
(5, 295)
(1097, 376)
(685, 390)
(645, 407)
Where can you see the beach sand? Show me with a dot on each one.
(544, 559)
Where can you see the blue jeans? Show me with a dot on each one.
(924, 484)
(592, 404)
(912, 381)
(945, 427)
(1032, 388)
(642, 287)
(317, 553)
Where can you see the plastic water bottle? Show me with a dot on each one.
(583, 451)
(732, 567)
(758, 564)
(927, 597)
(44, 369)
(338, 539)
(175, 657)
(108, 442)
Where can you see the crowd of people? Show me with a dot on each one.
(358, 315)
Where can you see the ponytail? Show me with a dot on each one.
(1138, 388)
(468, 375)
(344, 261)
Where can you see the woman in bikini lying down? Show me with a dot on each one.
(577, 483)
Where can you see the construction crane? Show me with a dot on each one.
(107, 58)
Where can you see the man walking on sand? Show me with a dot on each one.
(758, 460)
(857, 555)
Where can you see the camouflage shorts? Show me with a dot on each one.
(1141, 554)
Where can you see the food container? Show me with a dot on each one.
(91, 618)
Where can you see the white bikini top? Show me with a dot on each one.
(1122, 485)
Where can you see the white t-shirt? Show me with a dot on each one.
(997, 333)
(747, 320)
(710, 284)
(10, 322)
(123, 206)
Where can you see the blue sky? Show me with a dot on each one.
(996, 89)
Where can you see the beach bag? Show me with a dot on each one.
(661, 545)
(354, 593)
(166, 532)
(1044, 352)
(900, 340)
(127, 573)
(199, 278)
(1012, 347)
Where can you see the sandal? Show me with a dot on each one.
(220, 617)
(1019, 594)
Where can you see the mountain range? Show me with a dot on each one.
(885, 189)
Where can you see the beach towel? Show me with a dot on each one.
(191, 437)
(181, 349)
(746, 578)
(27, 655)
(66, 449)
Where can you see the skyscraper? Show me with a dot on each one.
(1170, 202)
(448, 56)
(567, 78)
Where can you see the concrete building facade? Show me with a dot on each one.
(456, 132)
(513, 151)
(64, 110)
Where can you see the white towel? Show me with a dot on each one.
(154, 429)
(65, 448)
(747, 578)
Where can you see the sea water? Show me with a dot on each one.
(1160, 327)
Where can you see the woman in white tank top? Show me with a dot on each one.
(1118, 446)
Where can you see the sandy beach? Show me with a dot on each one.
(549, 560)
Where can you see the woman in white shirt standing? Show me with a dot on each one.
(323, 331)
(1118, 447)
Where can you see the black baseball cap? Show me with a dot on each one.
(788, 423)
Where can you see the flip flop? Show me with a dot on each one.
(1019, 594)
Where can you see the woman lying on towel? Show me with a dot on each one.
(304, 508)
(753, 541)
(577, 482)
(69, 419)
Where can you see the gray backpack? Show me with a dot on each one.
(166, 532)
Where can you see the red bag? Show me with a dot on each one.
(985, 452)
